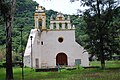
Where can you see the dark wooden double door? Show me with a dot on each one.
(61, 59)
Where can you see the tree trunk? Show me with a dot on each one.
(9, 71)
(102, 60)
(102, 57)
(9, 20)
(98, 9)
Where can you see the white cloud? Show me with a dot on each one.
(64, 6)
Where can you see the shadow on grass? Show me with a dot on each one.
(117, 68)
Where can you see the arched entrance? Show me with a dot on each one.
(40, 23)
(61, 59)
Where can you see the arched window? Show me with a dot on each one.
(40, 23)
(66, 26)
(60, 25)
(54, 26)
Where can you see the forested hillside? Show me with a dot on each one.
(25, 16)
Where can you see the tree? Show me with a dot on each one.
(7, 9)
(101, 31)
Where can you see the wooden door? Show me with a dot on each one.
(61, 59)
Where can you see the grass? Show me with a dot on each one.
(112, 72)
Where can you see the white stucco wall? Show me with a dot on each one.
(47, 52)
(27, 54)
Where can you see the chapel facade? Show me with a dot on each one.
(47, 48)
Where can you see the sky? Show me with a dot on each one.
(63, 6)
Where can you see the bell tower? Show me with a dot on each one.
(40, 18)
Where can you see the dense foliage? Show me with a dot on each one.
(23, 16)
(102, 28)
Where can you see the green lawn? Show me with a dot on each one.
(112, 72)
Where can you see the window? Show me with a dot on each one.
(77, 61)
(40, 23)
(41, 42)
(37, 62)
(60, 25)
(60, 18)
(54, 26)
(60, 39)
(66, 26)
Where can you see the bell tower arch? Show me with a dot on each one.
(40, 18)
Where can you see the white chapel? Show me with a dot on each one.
(48, 47)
